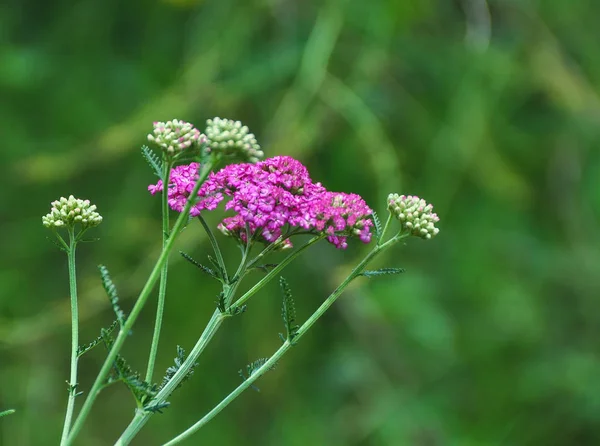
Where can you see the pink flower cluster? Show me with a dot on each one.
(269, 196)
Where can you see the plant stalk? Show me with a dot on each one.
(139, 305)
(287, 344)
(74, 335)
(142, 417)
(162, 286)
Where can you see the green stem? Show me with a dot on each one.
(274, 272)
(287, 344)
(139, 305)
(385, 228)
(162, 286)
(74, 336)
(142, 417)
(215, 245)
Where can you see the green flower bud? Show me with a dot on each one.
(232, 139)
(67, 212)
(174, 136)
(415, 215)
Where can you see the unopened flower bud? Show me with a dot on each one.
(232, 139)
(67, 212)
(415, 215)
(175, 136)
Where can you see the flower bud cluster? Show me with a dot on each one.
(67, 212)
(232, 139)
(174, 136)
(415, 215)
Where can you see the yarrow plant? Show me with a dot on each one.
(268, 204)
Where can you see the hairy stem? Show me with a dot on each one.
(385, 228)
(74, 336)
(139, 305)
(142, 417)
(162, 286)
(215, 245)
(274, 272)
(287, 344)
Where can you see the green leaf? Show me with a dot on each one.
(99, 340)
(154, 408)
(382, 272)
(121, 371)
(153, 160)
(179, 360)
(228, 311)
(142, 391)
(218, 268)
(201, 267)
(378, 226)
(252, 368)
(288, 311)
(7, 412)
(111, 291)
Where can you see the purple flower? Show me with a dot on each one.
(271, 197)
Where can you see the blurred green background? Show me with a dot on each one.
(490, 110)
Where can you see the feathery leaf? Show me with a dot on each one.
(198, 265)
(382, 272)
(288, 310)
(179, 360)
(99, 340)
(378, 227)
(153, 160)
(111, 291)
(252, 368)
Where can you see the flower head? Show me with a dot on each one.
(341, 215)
(270, 198)
(415, 215)
(174, 136)
(232, 139)
(67, 212)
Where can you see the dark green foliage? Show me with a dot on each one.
(157, 408)
(99, 340)
(153, 160)
(382, 272)
(234, 311)
(378, 226)
(252, 368)
(231, 310)
(220, 274)
(179, 359)
(142, 391)
(111, 291)
(201, 267)
(221, 305)
(288, 310)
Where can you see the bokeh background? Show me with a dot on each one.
(488, 109)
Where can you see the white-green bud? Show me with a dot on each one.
(175, 136)
(232, 139)
(67, 212)
(415, 215)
